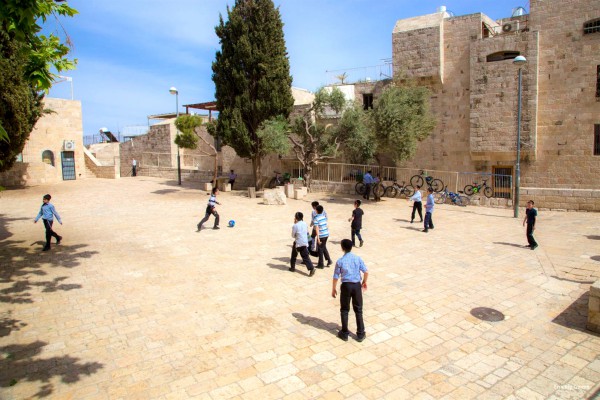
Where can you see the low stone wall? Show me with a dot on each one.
(562, 199)
(102, 171)
(593, 323)
(29, 174)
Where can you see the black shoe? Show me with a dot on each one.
(320, 266)
(343, 336)
(216, 227)
(411, 221)
(199, 228)
(291, 269)
(431, 227)
(361, 243)
(534, 247)
(360, 338)
(329, 263)
(58, 240)
(425, 230)
(46, 248)
(312, 272)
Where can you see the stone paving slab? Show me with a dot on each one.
(135, 304)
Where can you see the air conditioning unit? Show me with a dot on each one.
(69, 145)
(512, 26)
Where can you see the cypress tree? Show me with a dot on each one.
(252, 78)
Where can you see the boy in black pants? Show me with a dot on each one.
(211, 208)
(356, 223)
(530, 217)
(47, 213)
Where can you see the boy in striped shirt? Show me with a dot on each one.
(211, 209)
(320, 223)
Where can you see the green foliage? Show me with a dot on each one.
(188, 123)
(252, 78)
(355, 130)
(186, 140)
(273, 134)
(3, 135)
(401, 118)
(20, 103)
(20, 19)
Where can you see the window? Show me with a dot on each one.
(48, 157)
(503, 55)
(597, 140)
(591, 26)
(597, 82)
(367, 101)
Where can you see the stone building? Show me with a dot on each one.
(467, 62)
(54, 151)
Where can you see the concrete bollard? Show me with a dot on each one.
(252, 192)
(208, 186)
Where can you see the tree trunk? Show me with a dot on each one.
(215, 173)
(308, 178)
(256, 163)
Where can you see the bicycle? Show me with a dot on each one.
(475, 188)
(455, 198)
(377, 189)
(279, 180)
(436, 184)
(399, 190)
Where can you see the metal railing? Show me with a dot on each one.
(502, 185)
(188, 161)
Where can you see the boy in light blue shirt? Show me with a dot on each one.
(47, 213)
(429, 210)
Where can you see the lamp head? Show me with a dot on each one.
(173, 90)
(519, 60)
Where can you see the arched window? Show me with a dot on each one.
(503, 55)
(591, 26)
(48, 157)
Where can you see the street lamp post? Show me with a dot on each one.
(519, 61)
(173, 90)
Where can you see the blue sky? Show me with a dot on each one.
(131, 52)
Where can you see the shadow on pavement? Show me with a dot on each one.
(4, 232)
(522, 246)
(593, 237)
(318, 323)
(19, 364)
(595, 258)
(575, 316)
(165, 191)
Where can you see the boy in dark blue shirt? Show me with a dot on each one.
(530, 217)
(47, 213)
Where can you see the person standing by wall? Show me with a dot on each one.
(429, 210)
(232, 177)
(134, 167)
(530, 218)
(368, 181)
(417, 204)
(47, 213)
(348, 269)
(300, 245)
(356, 223)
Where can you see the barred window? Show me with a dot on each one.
(598, 82)
(591, 26)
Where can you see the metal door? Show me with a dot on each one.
(68, 165)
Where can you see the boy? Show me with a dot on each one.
(417, 205)
(211, 209)
(356, 223)
(47, 213)
(300, 245)
(530, 217)
(429, 210)
(322, 229)
(313, 214)
(368, 181)
(348, 268)
(232, 177)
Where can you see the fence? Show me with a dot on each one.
(188, 161)
(455, 181)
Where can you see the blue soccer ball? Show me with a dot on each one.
(231, 223)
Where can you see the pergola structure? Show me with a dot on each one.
(209, 106)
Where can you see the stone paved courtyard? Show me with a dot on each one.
(134, 304)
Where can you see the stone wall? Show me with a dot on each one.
(51, 131)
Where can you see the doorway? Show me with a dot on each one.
(68, 165)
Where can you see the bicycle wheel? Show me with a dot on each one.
(390, 191)
(378, 190)
(408, 191)
(462, 201)
(437, 185)
(360, 188)
(416, 180)
(488, 192)
(273, 183)
(439, 198)
(468, 190)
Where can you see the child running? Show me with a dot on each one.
(356, 223)
(211, 209)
